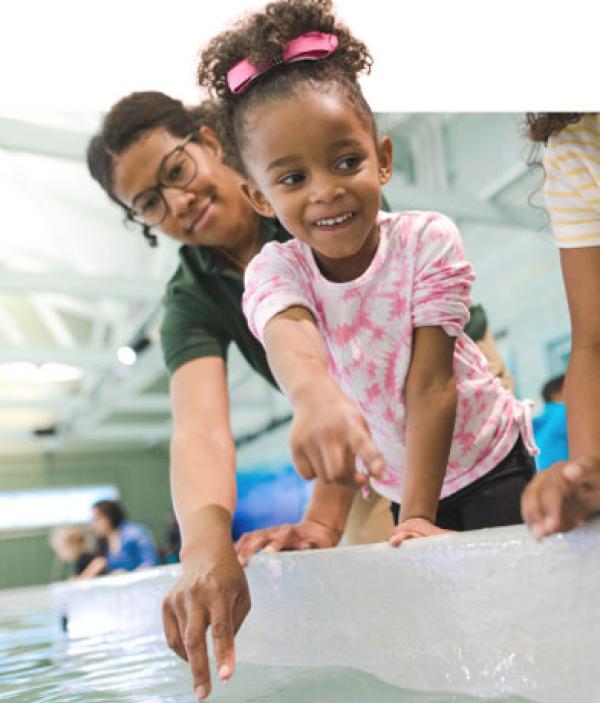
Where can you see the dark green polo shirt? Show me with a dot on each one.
(203, 308)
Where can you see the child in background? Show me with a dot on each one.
(550, 426)
(388, 292)
(70, 544)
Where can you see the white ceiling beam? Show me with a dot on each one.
(503, 181)
(463, 206)
(19, 135)
(130, 288)
(76, 356)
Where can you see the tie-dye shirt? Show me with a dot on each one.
(418, 277)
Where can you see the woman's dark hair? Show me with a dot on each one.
(112, 511)
(542, 125)
(133, 116)
(261, 37)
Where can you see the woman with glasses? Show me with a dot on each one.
(170, 170)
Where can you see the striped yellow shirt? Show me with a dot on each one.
(572, 185)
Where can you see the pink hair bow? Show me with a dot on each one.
(309, 46)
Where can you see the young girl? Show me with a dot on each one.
(389, 293)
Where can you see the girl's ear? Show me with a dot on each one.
(386, 163)
(210, 140)
(257, 199)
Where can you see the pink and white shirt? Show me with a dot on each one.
(418, 277)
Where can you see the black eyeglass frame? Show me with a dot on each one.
(159, 186)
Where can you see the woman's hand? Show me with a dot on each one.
(212, 591)
(562, 496)
(414, 527)
(305, 535)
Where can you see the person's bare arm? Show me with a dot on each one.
(430, 396)
(563, 495)
(328, 430)
(212, 589)
(93, 569)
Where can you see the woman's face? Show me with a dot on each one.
(211, 210)
(100, 524)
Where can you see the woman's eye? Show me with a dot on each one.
(292, 179)
(150, 204)
(349, 163)
(175, 173)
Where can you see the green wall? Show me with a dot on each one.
(141, 475)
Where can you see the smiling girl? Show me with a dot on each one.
(376, 302)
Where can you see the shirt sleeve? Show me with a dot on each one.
(571, 186)
(273, 283)
(443, 278)
(190, 328)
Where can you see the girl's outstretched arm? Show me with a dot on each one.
(328, 431)
(430, 397)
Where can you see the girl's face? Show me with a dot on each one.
(210, 210)
(100, 524)
(313, 163)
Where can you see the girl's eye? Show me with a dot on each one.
(349, 163)
(292, 179)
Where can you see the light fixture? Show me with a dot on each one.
(126, 355)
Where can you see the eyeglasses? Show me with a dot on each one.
(177, 169)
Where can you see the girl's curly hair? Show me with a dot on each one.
(542, 125)
(136, 114)
(260, 37)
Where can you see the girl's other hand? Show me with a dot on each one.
(415, 527)
(307, 534)
(562, 496)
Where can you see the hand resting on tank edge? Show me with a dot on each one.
(308, 534)
(413, 528)
(562, 496)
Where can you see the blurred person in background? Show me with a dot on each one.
(477, 328)
(550, 426)
(71, 546)
(123, 545)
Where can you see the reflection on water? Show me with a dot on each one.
(40, 665)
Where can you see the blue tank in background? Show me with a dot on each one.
(269, 496)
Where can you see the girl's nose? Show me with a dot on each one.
(325, 190)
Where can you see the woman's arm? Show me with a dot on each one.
(328, 431)
(430, 397)
(213, 588)
(564, 494)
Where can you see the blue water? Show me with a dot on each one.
(39, 664)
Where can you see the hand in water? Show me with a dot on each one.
(212, 591)
(328, 434)
(413, 528)
(307, 534)
(562, 496)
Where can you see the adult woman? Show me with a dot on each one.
(125, 546)
(565, 494)
(169, 168)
